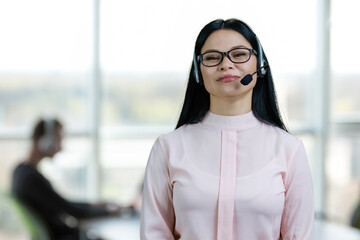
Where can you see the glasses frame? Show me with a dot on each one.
(200, 57)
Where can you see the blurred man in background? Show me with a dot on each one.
(32, 189)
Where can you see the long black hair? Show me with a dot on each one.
(197, 99)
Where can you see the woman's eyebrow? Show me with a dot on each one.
(237, 46)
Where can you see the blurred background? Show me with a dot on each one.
(115, 73)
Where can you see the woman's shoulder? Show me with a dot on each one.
(287, 144)
(283, 136)
(178, 132)
(175, 137)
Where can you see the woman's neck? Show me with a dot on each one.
(230, 107)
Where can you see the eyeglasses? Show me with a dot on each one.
(237, 55)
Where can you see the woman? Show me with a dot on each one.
(230, 170)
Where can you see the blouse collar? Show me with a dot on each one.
(239, 122)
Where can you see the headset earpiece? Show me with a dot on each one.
(196, 70)
(262, 64)
(47, 142)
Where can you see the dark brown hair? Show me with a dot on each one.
(45, 126)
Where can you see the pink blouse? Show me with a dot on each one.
(227, 178)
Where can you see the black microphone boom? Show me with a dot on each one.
(246, 80)
(249, 77)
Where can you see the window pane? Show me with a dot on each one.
(45, 70)
(45, 35)
(123, 162)
(27, 96)
(345, 53)
(132, 99)
(45, 61)
(343, 176)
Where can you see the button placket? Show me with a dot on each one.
(227, 184)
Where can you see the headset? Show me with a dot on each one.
(47, 142)
(262, 65)
(196, 71)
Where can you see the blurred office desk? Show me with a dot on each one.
(114, 227)
(331, 231)
(127, 228)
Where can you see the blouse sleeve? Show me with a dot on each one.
(157, 214)
(298, 215)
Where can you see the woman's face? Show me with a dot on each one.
(223, 81)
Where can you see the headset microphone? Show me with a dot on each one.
(249, 77)
(261, 67)
(246, 80)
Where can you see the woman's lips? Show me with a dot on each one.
(228, 78)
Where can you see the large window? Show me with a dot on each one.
(116, 73)
(45, 70)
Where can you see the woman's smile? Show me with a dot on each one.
(228, 78)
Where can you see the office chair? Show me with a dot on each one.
(355, 219)
(31, 220)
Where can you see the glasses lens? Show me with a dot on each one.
(211, 59)
(239, 55)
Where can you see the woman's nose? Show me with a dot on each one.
(226, 63)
